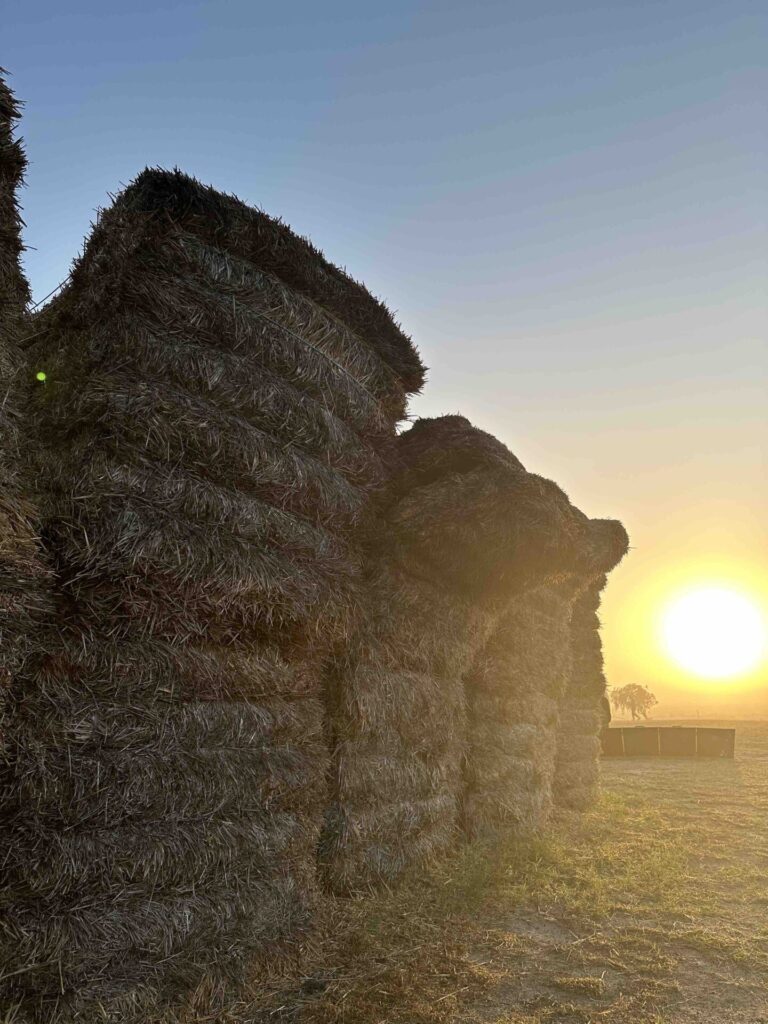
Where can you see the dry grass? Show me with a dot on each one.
(650, 910)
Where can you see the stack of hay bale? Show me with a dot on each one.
(513, 694)
(464, 531)
(582, 709)
(23, 598)
(276, 623)
(217, 407)
(518, 695)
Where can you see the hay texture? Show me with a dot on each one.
(23, 599)
(277, 624)
(516, 691)
(577, 770)
(217, 407)
(463, 530)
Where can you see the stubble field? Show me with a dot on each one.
(652, 908)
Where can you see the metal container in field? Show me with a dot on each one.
(668, 741)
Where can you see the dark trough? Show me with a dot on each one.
(668, 741)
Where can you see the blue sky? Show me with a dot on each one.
(565, 202)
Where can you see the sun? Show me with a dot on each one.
(714, 632)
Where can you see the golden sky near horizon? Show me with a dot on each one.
(636, 610)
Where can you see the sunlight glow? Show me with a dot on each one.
(714, 632)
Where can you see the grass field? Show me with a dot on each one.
(653, 908)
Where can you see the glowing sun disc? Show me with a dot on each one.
(714, 632)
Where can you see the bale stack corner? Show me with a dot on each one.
(514, 690)
(464, 530)
(218, 405)
(523, 710)
(582, 710)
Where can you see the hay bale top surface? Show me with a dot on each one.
(466, 509)
(445, 446)
(609, 543)
(160, 201)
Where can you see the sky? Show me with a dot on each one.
(564, 202)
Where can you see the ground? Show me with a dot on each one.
(651, 908)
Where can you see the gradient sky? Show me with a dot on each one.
(565, 202)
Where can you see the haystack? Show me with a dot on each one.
(516, 692)
(218, 403)
(463, 531)
(22, 576)
(582, 710)
(514, 689)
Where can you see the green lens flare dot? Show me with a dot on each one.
(40, 375)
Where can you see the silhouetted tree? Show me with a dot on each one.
(636, 699)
